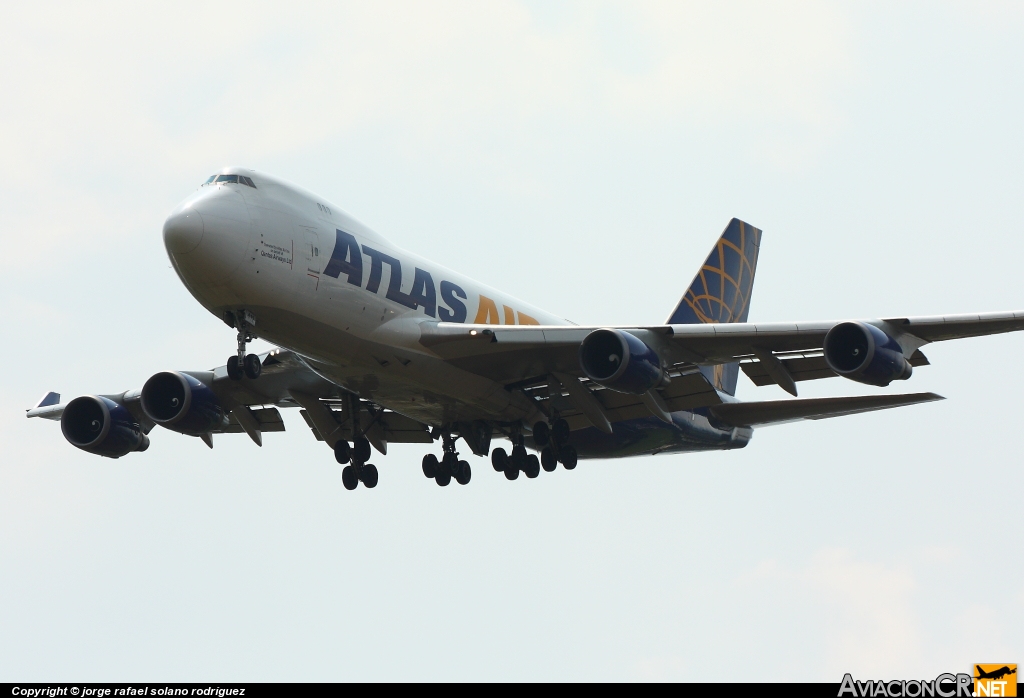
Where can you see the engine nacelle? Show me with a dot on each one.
(620, 361)
(101, 426)
(865, 354)
(181, 403)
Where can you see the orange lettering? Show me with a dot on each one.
(487, 314)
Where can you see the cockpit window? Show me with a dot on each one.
(230, 179)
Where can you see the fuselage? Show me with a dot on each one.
(327, 287)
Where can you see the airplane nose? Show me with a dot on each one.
(183, 230)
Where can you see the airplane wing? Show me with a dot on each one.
(515, 353)
(543, 362)
(252, 406)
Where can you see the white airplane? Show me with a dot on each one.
(378, 345)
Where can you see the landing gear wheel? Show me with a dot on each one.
(450, 464)
(368, 474)
(568, 454)
(443, 478)
(532, 468)
(511, 471)
(235, 372)
(560, 431)
(464, 474)
(499, 459)
(342, 453)
(253, 368)
(548, 460)
(349, 477)
(541, 434)
(361, 450)
(430, 465)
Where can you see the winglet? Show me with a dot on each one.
(48, 399)
(49, 407)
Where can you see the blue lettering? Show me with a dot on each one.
(423, 293)
(346, 259)
(449, 291)
(394, 293)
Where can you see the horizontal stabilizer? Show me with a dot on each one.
(754, 414)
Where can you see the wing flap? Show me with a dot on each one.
(753, 414)
(806, 368)
(268, 419)
(397, 428)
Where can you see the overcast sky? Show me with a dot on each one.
(582, 156)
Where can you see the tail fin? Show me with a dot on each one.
(721, 291)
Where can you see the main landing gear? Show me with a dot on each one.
(518, 461)
(554, 439)
(358, 469)
(442, 471)
(242, 364)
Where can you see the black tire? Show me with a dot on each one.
(548, 460)
(568, 457)
(361, 450)
(349, 477)
(541, 434)
(368, 474)
(450, 464)
(342, 453)
(235, 372)
(518, 458)
(499, 459)
(532, 468)
(465, 473)
(253, 368)
(430, 465)
(560, 431)
(443, 478)
(511, 471)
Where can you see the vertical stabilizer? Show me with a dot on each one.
(721, 292)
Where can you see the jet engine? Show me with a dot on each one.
(101, 426)
(620, 361)
(181, 403)
(865, 354)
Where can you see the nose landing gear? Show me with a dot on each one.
(241, 364)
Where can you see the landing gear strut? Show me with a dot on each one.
(358, 470)
(442, 471)
(518, 461)
(555, 440)
(242, 364)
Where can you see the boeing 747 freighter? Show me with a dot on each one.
(378, 345)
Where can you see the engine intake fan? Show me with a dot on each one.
(866, 354)
(101, 426)
(181, 403)
(620, 361)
